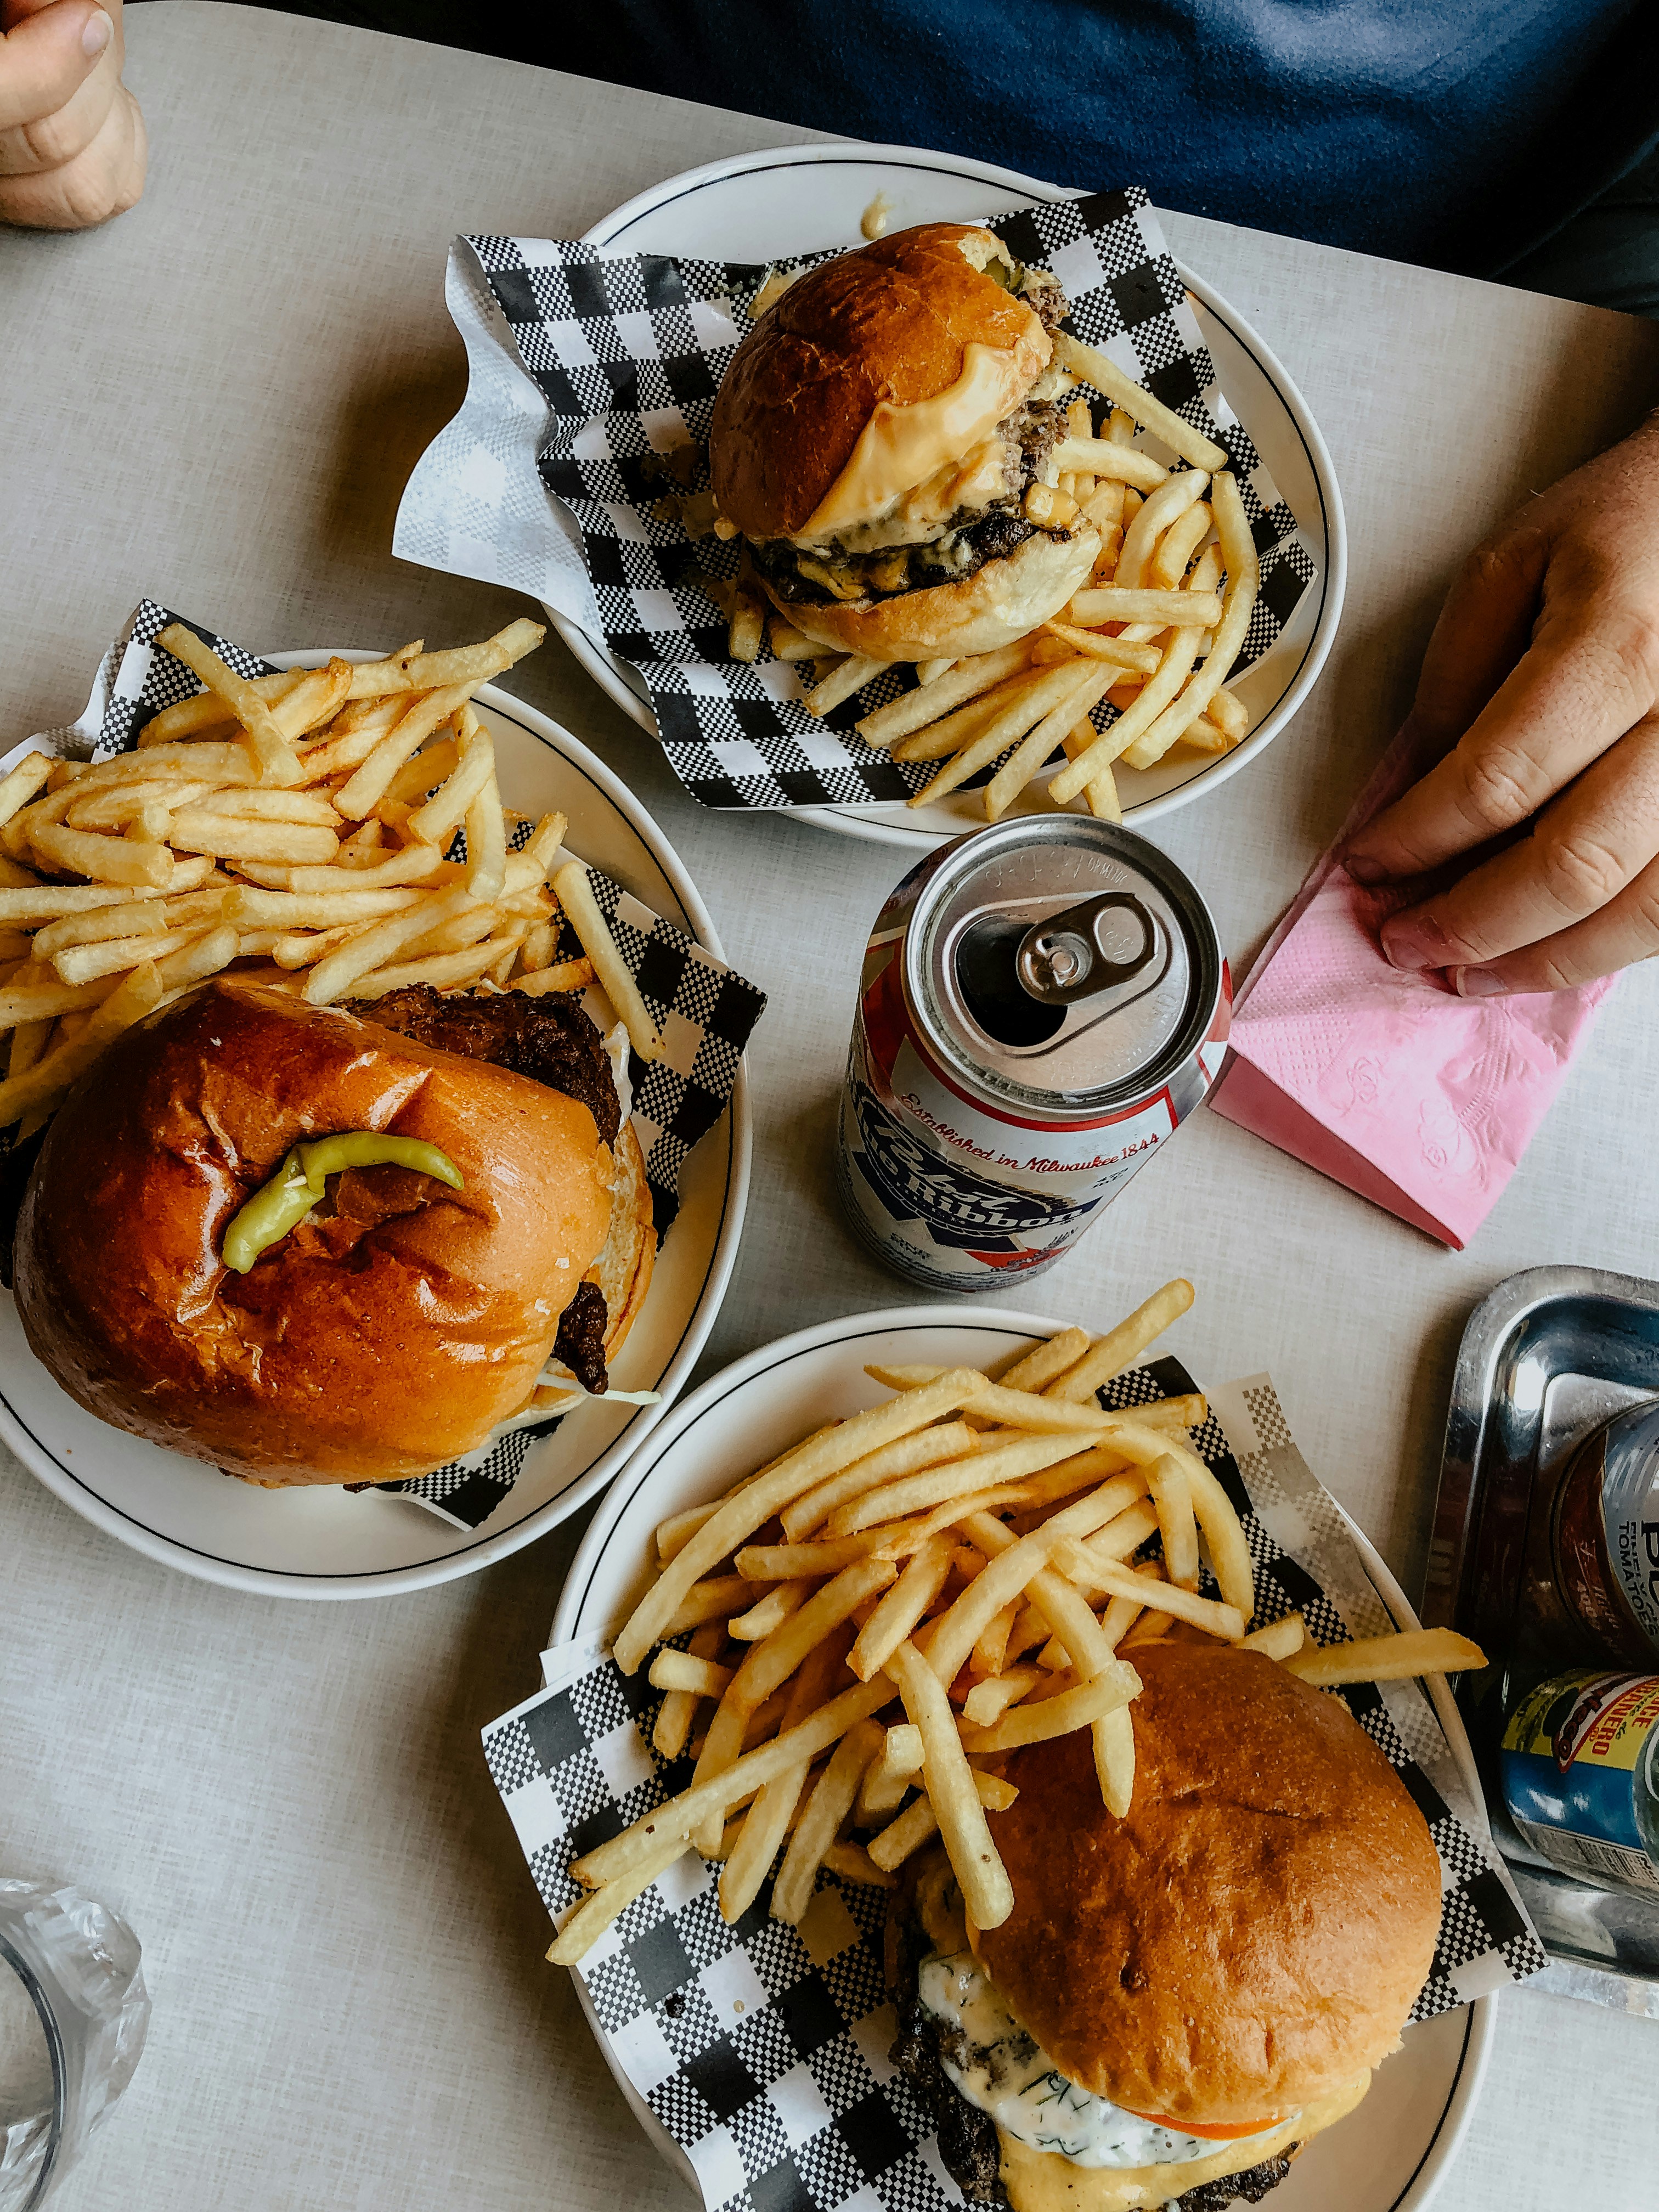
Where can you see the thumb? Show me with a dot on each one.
(48, 58)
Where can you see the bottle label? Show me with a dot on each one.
(1576, 1771)
(1630, 1513)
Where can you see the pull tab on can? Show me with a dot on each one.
(1067, 958)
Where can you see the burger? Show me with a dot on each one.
(1182, 1999)
(336, 1244)
(878, 441)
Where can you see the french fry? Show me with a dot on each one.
(674, 1534)
(929, 671)
(1120, 739)
(770, 1662)
(852, 1863)
(914, 710)
(1279, 1639)
(1114, 603)
(1035, 752)
(937, 740)
(85, 963)
(953, 1791)
(1098, 646)
(679, 1671)
(909, 1453)
(717, 1598)
(595, 1913)
(1120, 463)
(1114, 1734)
(1397, 1658)
(486, 843)
(1121, 1347)
(797, 1472)
(575, 890)
(679, 1709)
(917, 1825)
(850, 675)
(232, 837)
(1045, 1363)
(767, 1563)
(680, 1815)
(746, 627)
(1172, 1496)
(436, 822)
(1058, 1715)
(1171, 499)
(469, 665)
(278, 762)
(20, 784)
(915, 1493)
(830, 1804)
(564, 976)
(768, 1612)
(1046, 691)
(987, 1701)
(44, 1083)
(1100, 794)
(1244, 581)
(1173, 552)
(786, 641)
(206, 711)
(924, 1577)
(1230, 715)
(105, 859)
(369, 783)
(1112, 383)
(1082, 1566)
(765, 1828)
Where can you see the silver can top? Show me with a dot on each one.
(1060, 965)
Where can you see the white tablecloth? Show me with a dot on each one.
(217, 400)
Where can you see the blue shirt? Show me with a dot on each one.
(1419, 129)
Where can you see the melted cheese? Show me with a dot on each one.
(1037, 2181)
(901, 448)
(1011, 2077)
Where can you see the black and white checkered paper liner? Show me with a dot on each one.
(762, 2049)
(704, 1010)
(587, 362)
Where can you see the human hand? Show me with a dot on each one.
(1542, 680)
(72, 145)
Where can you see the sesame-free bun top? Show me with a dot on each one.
(387, 1333)
(1253, 1936)
(877, 368)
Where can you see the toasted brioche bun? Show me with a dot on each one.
(622, 1270)
(1000, 602)
(891, 322)
(377, 1339)
(1250, 1940)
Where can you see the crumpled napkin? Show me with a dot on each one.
(1384, 1079)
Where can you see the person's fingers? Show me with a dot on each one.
(50, 140)
(105, 180)
(1591, 673)
(1625, 931)
(44, 62)
(1483, 629)
(1579, 854)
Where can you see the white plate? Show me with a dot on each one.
(319, 1542)
(797, 199)
(1390, 2155)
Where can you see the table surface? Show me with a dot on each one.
(217, 401)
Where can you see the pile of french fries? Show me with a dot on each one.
(1155, 631)
(293, 829)
(969, 1553)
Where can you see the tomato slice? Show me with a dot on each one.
(1192, 2127)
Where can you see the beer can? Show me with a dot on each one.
(1580, 1763)
(1043, 1004)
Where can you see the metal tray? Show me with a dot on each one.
(1545, 1358)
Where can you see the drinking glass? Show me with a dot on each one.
(73, 2016)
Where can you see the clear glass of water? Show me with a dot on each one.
(73, 2016)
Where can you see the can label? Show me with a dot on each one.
(1606, 1534)
(1577, 1776)
(957, 1195)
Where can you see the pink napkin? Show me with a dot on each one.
(1382, 1079)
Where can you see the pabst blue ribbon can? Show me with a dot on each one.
(1042, 1005)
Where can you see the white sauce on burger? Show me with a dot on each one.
(1012, 2079)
